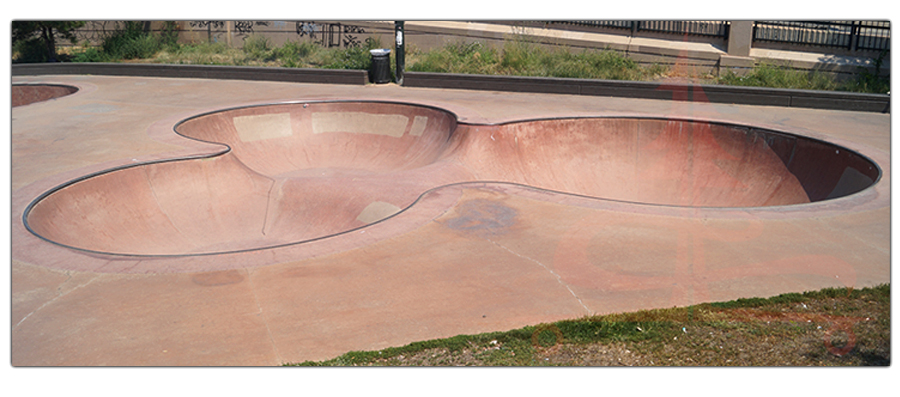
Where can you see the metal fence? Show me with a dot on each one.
(852, 35)
(697, 28)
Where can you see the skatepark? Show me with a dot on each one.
(187, 221)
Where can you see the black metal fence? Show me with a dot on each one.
(852, 35)
(697, 28)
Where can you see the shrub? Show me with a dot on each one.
(258, 48)
(292, 52)
(131, 43)
(349, 58)
(352, 57)
(92, 54)
(168, 36)
(30, 51)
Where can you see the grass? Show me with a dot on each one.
(516, 58)
(769, 75)
(830, 327)
(523, 58)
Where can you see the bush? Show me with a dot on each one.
(258, 48)
(168, 36)
(92, 54)
(31, 51)
(131, 43)
(353, 57)
(292, 52)
(349, 58)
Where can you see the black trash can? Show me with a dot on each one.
(380, 71)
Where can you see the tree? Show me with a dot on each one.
(45, 32)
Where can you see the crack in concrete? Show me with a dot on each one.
(266, 322)
(558, 278)
(60, 294)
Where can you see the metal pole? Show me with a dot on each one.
(398, 34)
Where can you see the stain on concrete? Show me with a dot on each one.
(215, 279)
(483, 217)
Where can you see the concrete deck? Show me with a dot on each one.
(465, 258)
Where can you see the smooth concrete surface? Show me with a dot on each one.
(465, 255)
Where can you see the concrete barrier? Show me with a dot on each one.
(879, 103)
(293, 75)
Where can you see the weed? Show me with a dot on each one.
(459, 57)
(526, 58)
(773, 76)
(867, 81)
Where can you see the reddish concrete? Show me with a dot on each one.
(462, 257)
(298, 172)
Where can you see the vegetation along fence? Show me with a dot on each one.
(852, 35)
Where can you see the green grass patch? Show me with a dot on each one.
(769, 75)
(524, 58)
(810, 328)
(773, 76)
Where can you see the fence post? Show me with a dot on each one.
(228, 28)
(854, 36)
(740, 38)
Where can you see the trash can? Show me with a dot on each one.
(380, 71)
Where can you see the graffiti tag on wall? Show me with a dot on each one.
(330, 34)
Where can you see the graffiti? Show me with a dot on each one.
(330, 35)
(208, 24)
(352, 41)
(246, 27)
(307, 29)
